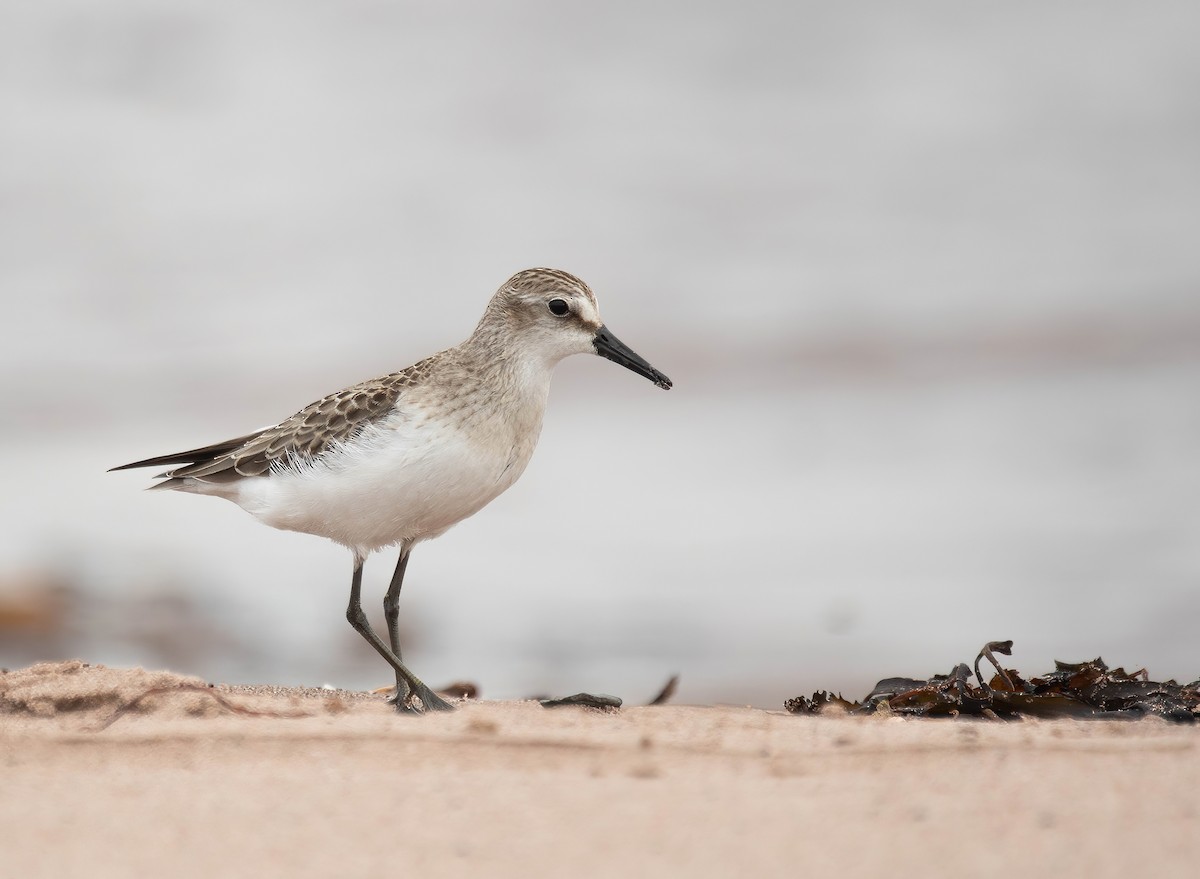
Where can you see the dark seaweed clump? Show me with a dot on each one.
(1078, 690)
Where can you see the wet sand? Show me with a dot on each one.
(335, 784)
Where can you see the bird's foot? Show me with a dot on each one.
(419, 701)
(399, 693)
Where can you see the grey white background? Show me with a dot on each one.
(926, 276)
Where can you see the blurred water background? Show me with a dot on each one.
(926, 277)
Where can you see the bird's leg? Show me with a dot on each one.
(391, 612)
(429, 700)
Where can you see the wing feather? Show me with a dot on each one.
(336, 418)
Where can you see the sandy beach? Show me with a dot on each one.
(329, 783)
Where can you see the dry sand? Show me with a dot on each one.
(182, 786)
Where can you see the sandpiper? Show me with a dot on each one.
(401, 458)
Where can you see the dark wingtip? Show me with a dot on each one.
(193, 456)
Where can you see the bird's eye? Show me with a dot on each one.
(558, 307)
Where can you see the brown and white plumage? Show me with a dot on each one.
(311, 431)
(304, 436)
(401, 458)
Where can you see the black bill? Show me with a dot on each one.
(608, 345)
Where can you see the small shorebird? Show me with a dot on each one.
(401, 458)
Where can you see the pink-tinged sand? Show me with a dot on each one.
(182, 787)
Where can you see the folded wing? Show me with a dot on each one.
(334, 419)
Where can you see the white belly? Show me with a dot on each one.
(402, 480)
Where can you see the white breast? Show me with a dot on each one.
(407, 478)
